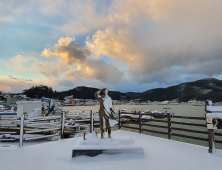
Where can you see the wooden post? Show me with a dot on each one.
(91, 121)
(119, 119)
(210, 132)
(169, 125)
(84, 136)
(62, 124)
(211, 140)
(140, 122)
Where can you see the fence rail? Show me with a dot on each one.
(168, 125)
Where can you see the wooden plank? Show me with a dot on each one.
(154, 120)
(186, 117)
(218, 134)
(154, 131)
(190, 137)
(135, 123)
(218, 141)
(188, 130)
(191, 124)
(155, 126)
(153, 114)
(130, 127)
(130, 118)
(130, 113)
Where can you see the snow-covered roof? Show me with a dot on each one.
(158, 154)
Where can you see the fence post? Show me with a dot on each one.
(210, 133)
(119, 119)
(21, 130)
(140, 122)
(91, 122)
(62, 124)
(169, 125)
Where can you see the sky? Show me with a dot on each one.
(123, 45)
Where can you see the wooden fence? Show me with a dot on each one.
(167, 124)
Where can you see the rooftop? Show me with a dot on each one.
(158, 154)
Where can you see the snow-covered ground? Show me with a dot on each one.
(158, 154)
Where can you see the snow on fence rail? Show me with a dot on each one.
(6, 134)
(26, 125)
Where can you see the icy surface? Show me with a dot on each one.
(158, 154)
(92, 141)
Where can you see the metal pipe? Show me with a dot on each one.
(42, 130)
(83, 120)
(46, 117)
(91, 122)
(8, 125)
(77, 126)
(40, 137)
(8, 118)
(39, 124)
(62, 124)
(8, 132)
(21, 130)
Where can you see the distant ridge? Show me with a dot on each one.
(83, 92)
(209, 88)
(203, 89)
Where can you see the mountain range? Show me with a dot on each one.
(203, 89)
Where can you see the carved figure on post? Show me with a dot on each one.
(106, 112)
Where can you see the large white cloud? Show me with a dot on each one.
(69, 51)
(72, 53)
(155, 36)
(97, 70)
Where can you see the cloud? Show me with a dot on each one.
(52, 69)
(19, 78)
(21, 64)
(69, 51)
(97, 70)
(12, 84)
(72, 53)
(157, 35)
(151, 37)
